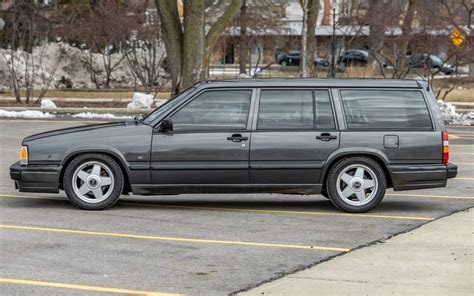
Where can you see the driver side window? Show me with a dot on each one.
(214, 110)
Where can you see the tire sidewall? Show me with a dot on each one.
(332, 183)
(106, 161)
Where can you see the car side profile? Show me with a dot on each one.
(347, 139)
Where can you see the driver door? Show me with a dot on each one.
(209, 143)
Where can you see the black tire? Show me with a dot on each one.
(105, 160)
(338, 201)
(284, 63)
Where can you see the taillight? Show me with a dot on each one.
(445, 155)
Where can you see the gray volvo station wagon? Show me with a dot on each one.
(347, 139)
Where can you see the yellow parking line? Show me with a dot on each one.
(249, 210)
(176, 239)
(430, 196)
(465, 163)
(462, 178)
(461, 145)
(283, 212)
(462, 153)
(82, 287)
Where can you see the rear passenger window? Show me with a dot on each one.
(285, 109)
(295, 109)
(385, 109)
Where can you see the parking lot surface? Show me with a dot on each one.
(193, 244)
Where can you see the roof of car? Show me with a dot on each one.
(311, 82)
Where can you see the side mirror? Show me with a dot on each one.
(166, 125)
(139, 117)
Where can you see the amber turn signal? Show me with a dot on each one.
(24, 155)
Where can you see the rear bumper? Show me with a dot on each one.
(35, 178)
(408, 177)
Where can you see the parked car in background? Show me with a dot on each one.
(433, 61)
(348, 139)
(293, 58)
(353, 57)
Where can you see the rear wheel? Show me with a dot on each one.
(356, 184)
(93, 181)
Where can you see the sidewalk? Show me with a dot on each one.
(435, 259)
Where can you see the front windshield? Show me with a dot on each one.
(161, 110)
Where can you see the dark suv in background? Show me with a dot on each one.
(353, 57)
(293, 58)
(433, 61)
(349, 140)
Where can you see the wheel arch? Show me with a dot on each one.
(375, 155)
(112, 154)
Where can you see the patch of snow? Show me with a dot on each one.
(90, 115)
(48, 104)
(452, 117)
(159, 102)
(25, 114)
(140, 100)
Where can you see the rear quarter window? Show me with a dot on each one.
(386, 109)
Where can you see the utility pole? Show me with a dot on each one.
(332, 73)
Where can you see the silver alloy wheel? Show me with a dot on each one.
(357, 185)
(93, 182)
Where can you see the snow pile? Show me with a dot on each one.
(141, 100)
(25, 114)
(452, 117)
(48, 104)
(159, 102)
(73, 68)
(90, 115)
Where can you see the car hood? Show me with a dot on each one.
(75, 129)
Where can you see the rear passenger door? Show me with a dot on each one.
(294, 131)
(394, 121)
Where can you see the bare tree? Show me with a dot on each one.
(188, 46)
(145, 53)
(26, 50)
(308, 36)
(99, 27)
(258, 19)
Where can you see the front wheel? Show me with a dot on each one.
(356, 184)
(93, 181)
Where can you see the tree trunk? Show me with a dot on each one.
(189, 49)
(194, 42)
(406, 27)
(308, 37)
(172, 33)
(243, 42)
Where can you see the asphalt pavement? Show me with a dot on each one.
(193, 244)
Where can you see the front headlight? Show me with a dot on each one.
(24, 155)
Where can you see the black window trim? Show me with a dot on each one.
(313, 92)
(205, 90)
(343, 109)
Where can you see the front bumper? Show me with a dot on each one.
(35, 178)
(408, 177)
